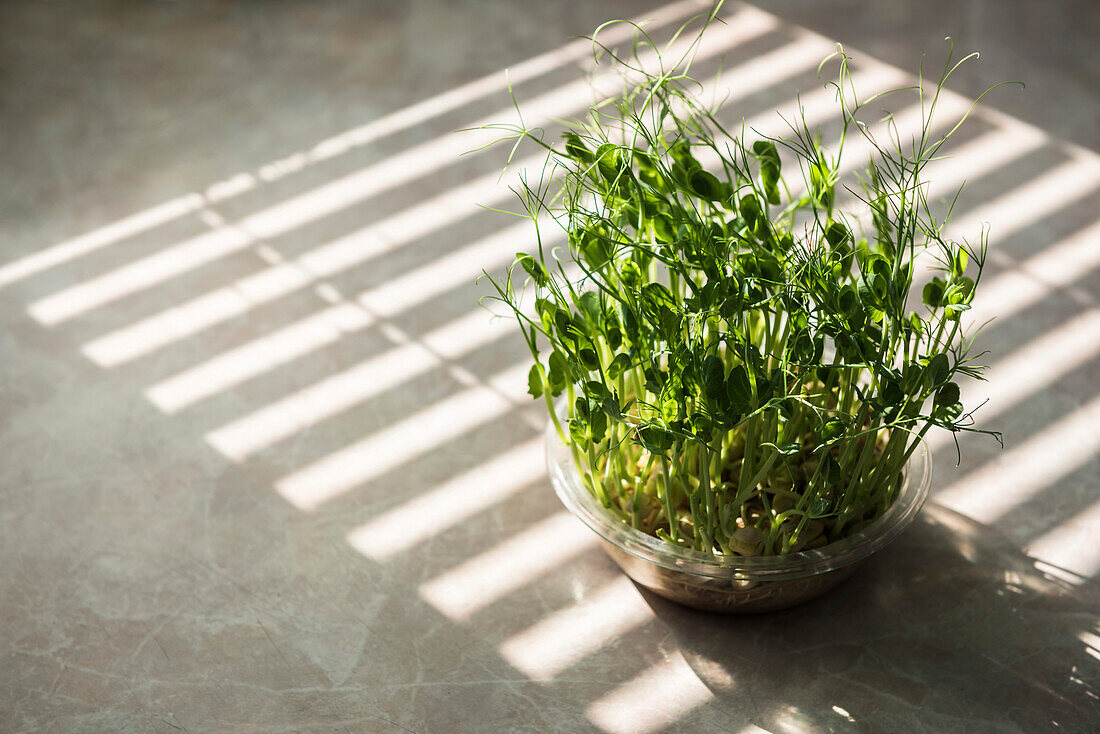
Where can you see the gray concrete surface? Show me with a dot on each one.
(266, 467)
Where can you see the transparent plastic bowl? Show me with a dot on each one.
(734, 583)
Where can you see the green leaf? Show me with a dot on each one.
(589, 302)
(960, 292)
(534, 382)
(832, 473)
(598, 425)
(819, 507)
(953, 312)
(739, 390)
(559, 373)
(959, 261)
(821, 184)
(802, 347)
(837, 234)
(618, 365)
(655, 439)
(614, 338)
(890, 388)
(789, 448)
(833, 429)
(589, 359)
(656, 295)
(630, 274)
(545, 310)
(670, 409)
(533, 268)
(663, 229)
(765, 150)
(769, 169)
(937, 369)
(653, 381)
(749, 208)
(933, 293)
(576, 149)
(578, 431)
(563, 322)
(947, 413)
(597, 390)
(608, 162)
(706, 186)
(702, 426)
(713, 376)
(948, 394)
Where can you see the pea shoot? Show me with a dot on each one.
(732, 343)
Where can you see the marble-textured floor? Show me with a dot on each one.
(267, 467)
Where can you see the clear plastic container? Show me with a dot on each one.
(734, 583)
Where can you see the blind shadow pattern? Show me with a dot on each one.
(315, 323)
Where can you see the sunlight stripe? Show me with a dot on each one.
(1073, 544)
(1055, 267)
(470, 92)
(257, 357)
(433, 512)
(652, 701)
(488, 577)
(139, 275)
(99, 238)
(1036, 365)
(558, 641)
(317, 330)
(338, 392)
(1011, 479)
(407, 439)
(218, 306)
(1039, 197)
(351, 250)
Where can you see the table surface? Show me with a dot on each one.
(267, 466)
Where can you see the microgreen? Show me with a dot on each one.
(733, 344)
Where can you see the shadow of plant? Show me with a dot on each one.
(949, 629)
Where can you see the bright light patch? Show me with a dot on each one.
(1028, 282)
(505, 567)
(230, 187)
(457, 268)
(1008, 481)
(981, 156)
(1092, 643)
(403, 441)
(433, 512)
(1037, 199)
(820, 105)
(279, 280)
(1029, 369)
(99, 238)
(338, 392)
(198, 314)
(139, 275)
(989, 152)
(1072, 545)
(425, 158)
(257, 357)
(468, 93)
(652, 701)
(554, 643)
(842, 712)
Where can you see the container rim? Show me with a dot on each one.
(845, 552)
